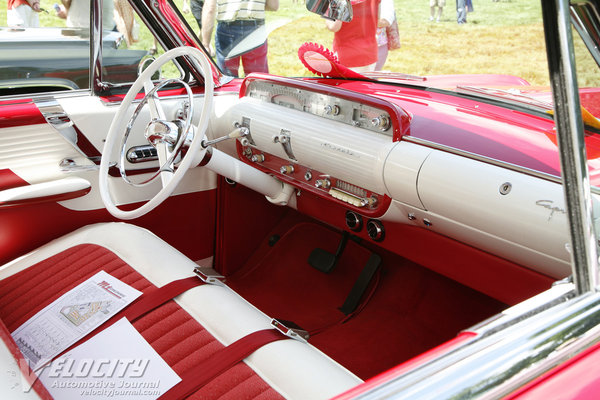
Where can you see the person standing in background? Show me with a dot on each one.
(355, 42)
(440, 8)
(125, 20)
(236, 19)
(23, 13)
(461, 12)
(195, 6)
(77, 14)
(387, 15)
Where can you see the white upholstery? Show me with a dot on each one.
(296, 370)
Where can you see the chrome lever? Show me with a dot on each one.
(285, 139)
(238, 132)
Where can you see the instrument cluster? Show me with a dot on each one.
(320, 138)
(323, 105)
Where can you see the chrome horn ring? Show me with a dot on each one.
(175, 141)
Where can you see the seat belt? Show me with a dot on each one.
(196, 377)
(157, 297)
(149, 301)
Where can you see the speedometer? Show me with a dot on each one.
(324, 105)
(287, 101)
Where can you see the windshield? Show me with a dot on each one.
(497, 37)
(493, 44)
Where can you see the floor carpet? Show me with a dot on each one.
(407, 309)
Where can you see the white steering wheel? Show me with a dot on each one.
(166, 149)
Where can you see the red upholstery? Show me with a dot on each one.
(171, 331)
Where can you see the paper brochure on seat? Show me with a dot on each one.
(117, 363)
(72, 316)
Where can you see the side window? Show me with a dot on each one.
(128, 44)
(39, 52)
(45, 45)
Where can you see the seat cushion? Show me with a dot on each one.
(184, 331)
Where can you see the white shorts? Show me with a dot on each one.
(22, 16)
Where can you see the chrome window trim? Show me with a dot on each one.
(96, 46)
(571, 143)
(487, 160)
(57, 95)
(577, 8)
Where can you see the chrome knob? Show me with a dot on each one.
(159, 131)
(382, 122)
(323, 183)
(332, 110)
(286, 169)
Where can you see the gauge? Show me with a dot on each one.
(322, 105)
(287, 101)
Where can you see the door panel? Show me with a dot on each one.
(31, 152)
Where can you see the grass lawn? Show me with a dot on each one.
(504, 37)
(500, 37)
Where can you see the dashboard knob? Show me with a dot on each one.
(323, 183)
(332, 110)
(375, 230)
(382, 122)
(286, 169)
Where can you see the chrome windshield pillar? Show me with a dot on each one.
(96, 45)
(571, 145)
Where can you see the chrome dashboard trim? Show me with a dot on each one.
(330, 106)
(488, 160)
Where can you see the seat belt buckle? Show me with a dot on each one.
(209, 275)
(293, 332)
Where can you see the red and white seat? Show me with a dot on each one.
(197, 324)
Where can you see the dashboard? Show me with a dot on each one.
(321, 139)
(351, 156)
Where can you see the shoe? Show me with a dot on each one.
(437, 19)
(431, 19)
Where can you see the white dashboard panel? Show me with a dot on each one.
(348, 153)
(508, 213)
(402, 170)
